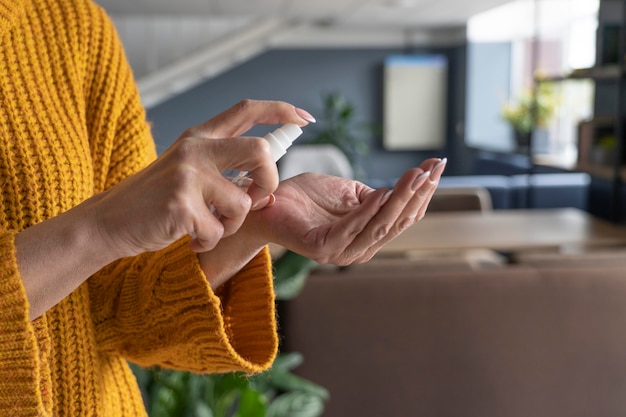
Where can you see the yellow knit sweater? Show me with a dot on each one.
(71, 125)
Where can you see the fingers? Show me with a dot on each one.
(247, 113)
(265, 202)
(416, 211)
(252, 155)
(207, 231)
(350, 228)
(429, 164)
(197, 198)
(210, 157)
(239, 119)
(224, 202)
(407, 204)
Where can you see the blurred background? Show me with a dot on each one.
(526, 100)
(194, 58)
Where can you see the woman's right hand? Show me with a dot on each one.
(183, 192)
(177, 194)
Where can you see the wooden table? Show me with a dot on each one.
(508, 230)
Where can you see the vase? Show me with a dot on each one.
(522, 141)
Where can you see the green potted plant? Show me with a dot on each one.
(338, 127)
(533, 109)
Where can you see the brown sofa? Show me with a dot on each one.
(536, 339)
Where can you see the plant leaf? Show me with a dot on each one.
(296, 404)
(203, 410)
(291, 271)
(251, 404)
(287, 361)
(290, 382)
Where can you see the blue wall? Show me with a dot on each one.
(302, 77)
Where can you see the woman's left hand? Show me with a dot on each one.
(340, 221)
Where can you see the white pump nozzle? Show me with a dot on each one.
(282, 138)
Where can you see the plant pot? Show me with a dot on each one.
(522, 141)
(603, 156)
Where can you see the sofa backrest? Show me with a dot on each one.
(502, 342)
(540, 190)
(462, 198)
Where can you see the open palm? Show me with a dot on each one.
(342, 221)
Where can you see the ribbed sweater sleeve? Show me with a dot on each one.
(158, 308)
(166, 314)
(23, 373)
(25, 382)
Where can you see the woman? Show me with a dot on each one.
(98, 266)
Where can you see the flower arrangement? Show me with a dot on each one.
(520, 114)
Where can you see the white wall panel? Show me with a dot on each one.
(414, 113)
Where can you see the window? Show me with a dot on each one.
(509, 46)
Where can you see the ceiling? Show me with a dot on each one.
(174, 45)
(405, 13)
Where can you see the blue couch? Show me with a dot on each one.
(541, 190)
(529, 191)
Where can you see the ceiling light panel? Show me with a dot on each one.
(158, 7)
(259, 8)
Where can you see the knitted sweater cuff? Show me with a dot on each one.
(190, 327)
(20, 373)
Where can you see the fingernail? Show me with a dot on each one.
(420, 180)
(305, 115)
(271, 199)
(438, 169)
(386, 197)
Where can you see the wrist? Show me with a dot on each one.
(102, 236)
(233, 252)
(56, 256)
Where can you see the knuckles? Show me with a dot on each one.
(183, 178)
(184, 150)
(406, 223)
(244, 105)
(243, 201)
(261, 148)
(382, 231)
